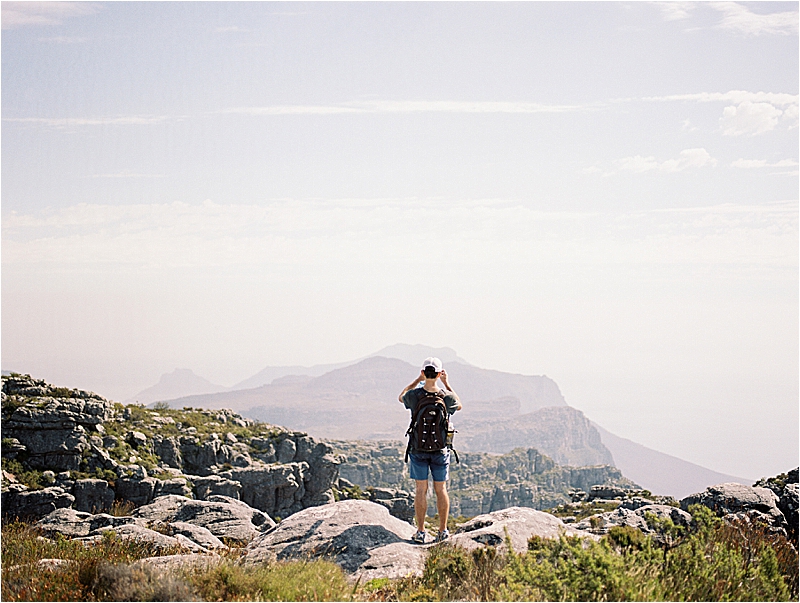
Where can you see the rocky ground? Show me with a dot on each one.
(202, 481)
(480, 482)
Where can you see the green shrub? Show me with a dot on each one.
(281, 581)
(22, 547)
(28, 477)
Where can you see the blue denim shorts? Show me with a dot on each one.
(438, 462)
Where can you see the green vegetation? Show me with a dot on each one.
(584, 509)
(105, 571)
(28, 477)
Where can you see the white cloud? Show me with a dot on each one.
(749, 118)
(759, 163)
(687, 159)
(388, 106)
(72, 122)
(20, 14)
(127, 175)
(64, 40)
(732, 96)
(739, 19)
(675, 11)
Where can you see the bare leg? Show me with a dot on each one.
(421, 503)
(442, 503)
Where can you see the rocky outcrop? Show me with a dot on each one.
(196, 525)
(480, 483)
(637, 517)
(222, 516)
(96, 452)
(515, 524)
(53, 424)
(561, 432)
(735, 501)
(366, 541)
(358, 535)
(19, 502)
(785, 487)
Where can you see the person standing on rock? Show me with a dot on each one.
(437, 462)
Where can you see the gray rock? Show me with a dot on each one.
(214, 484)
(358, 535)
(732, 498)
(137, 491)
(606, 491)
(635, 502)
(278, 490)
(520, 523)
(400, 503)
(168, 450)
(69, 522)
(53, 430)
(198, 534)
(231, 519)
(223, 517)
(34, 503)
(92, 495)
(163, 509)
(634, 518)
(176, 485)
(139, 533)
(788, 504)
(286, 451)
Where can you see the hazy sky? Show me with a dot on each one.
(605, 193)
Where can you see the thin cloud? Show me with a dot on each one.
(389, 107)
(751, 164)
(73, 122)
(675, 11)
(687, 159)
(21, 14)
(732, 96)
(739, 19)
(64, 40)
(127, 175)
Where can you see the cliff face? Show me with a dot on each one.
(561, 432)
(481, 482)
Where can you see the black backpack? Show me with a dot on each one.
(429, 430)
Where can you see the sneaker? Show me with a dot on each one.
(443, 535)
(419, 537)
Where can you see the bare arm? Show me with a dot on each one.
(411, 386)
(443, 377)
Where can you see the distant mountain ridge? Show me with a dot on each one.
(502, 411)
(180, 382)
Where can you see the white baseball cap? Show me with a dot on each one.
(434, 362)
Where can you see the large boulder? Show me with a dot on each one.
(358, 535)
(224, 517)
(214, 484)
(518, 523)
(736, 500)
(636, 517)
(33, 504)
(92, 495)
(137, 491)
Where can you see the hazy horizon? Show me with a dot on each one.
(604, 193)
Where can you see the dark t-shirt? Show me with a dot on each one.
(412, 396)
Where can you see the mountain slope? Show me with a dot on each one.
(412, 354)
(561, 432)
(659, 472)
(180, 382)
